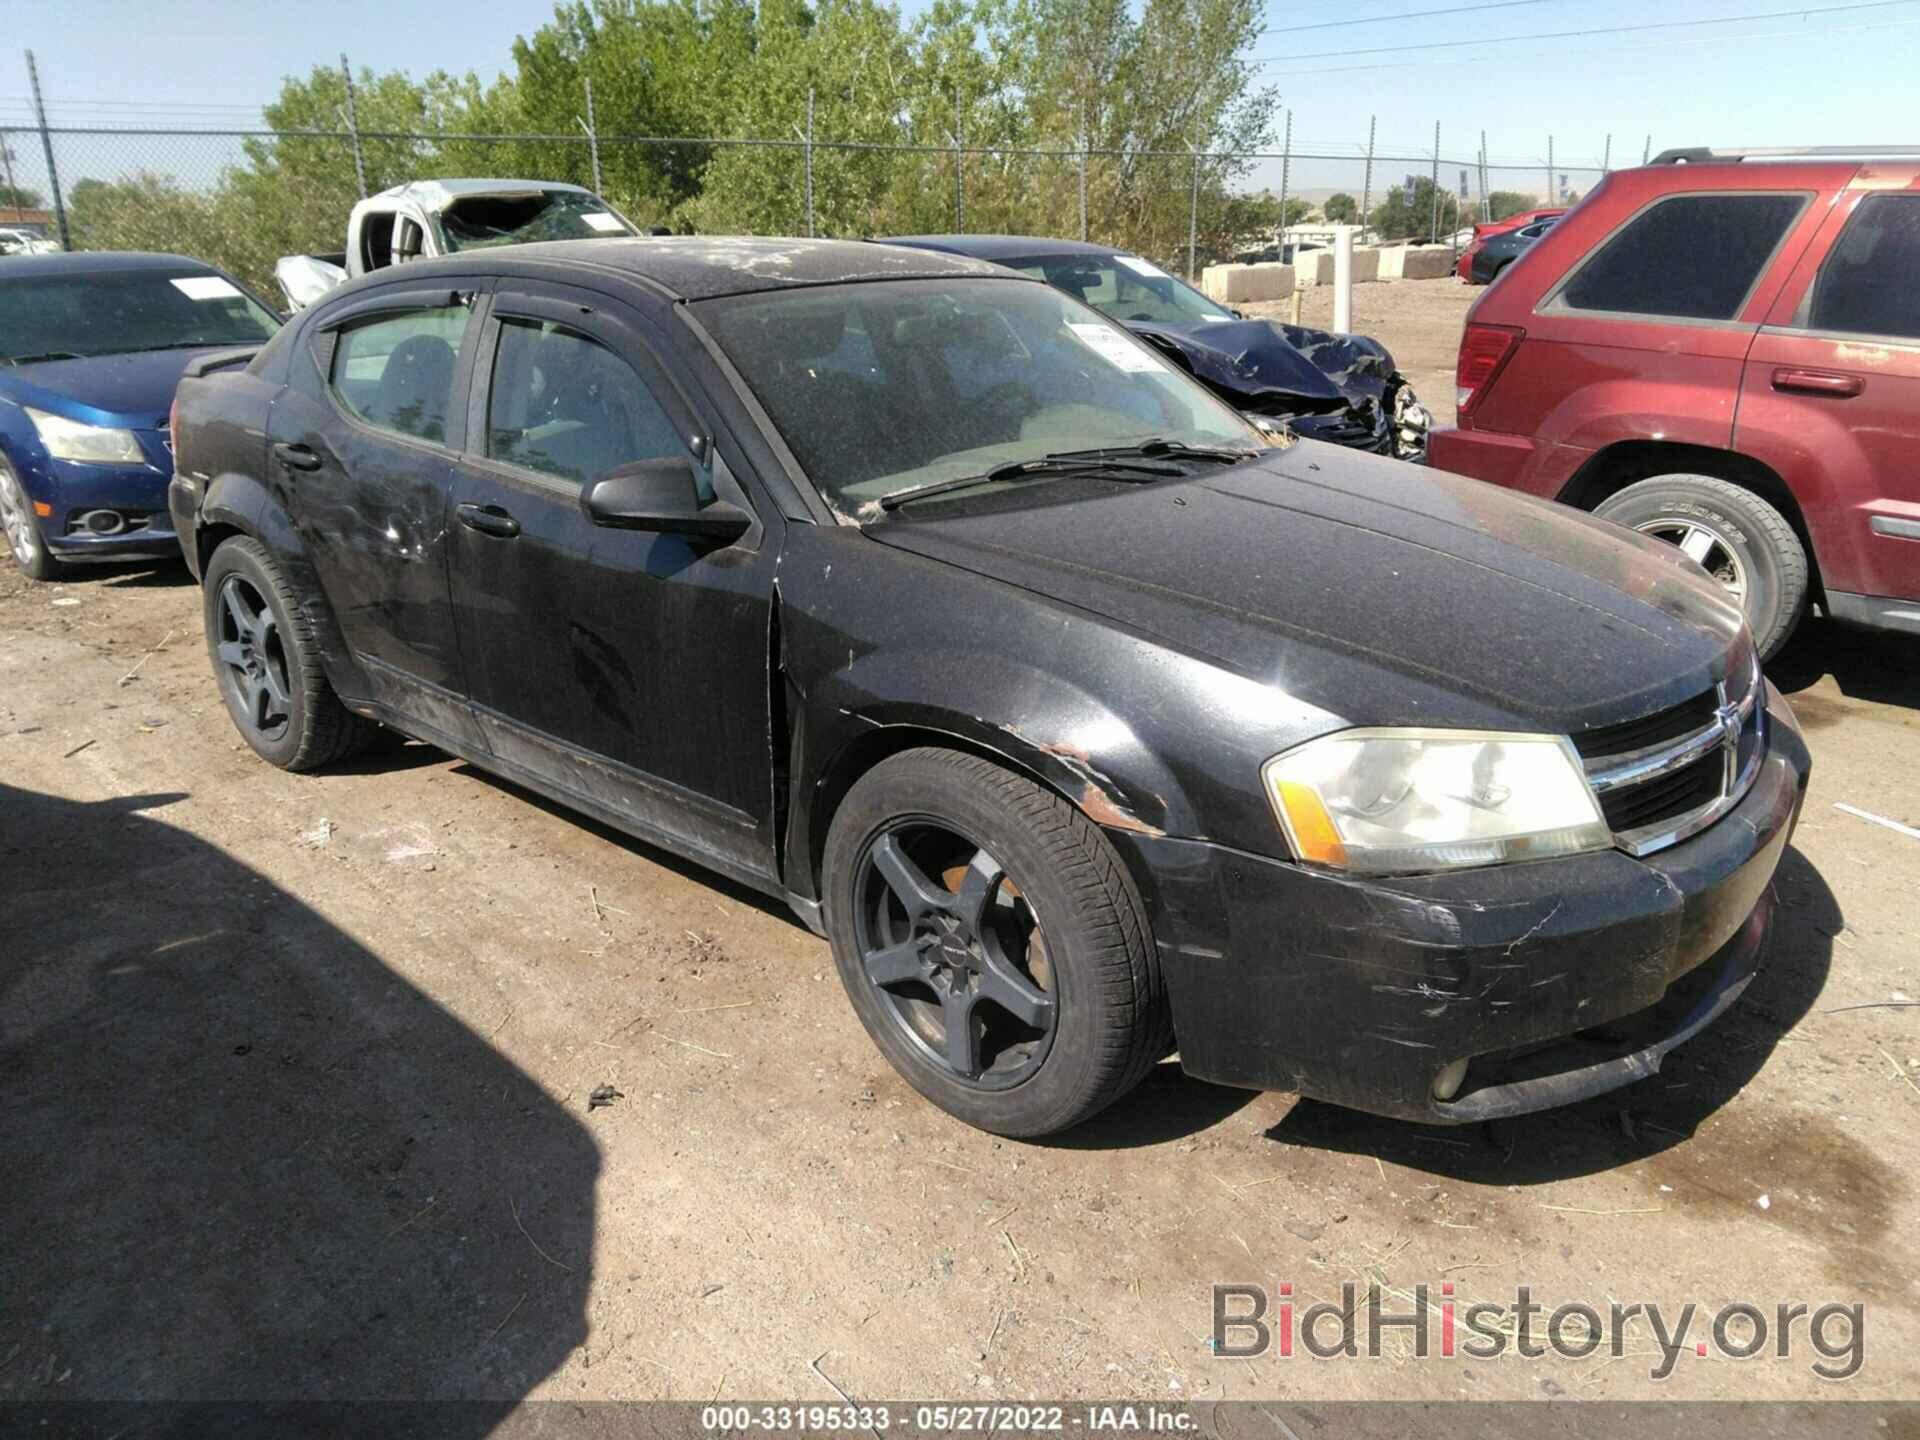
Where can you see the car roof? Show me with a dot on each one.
(94, 262)
(1002, 247)
(438, 192)
(705, 267)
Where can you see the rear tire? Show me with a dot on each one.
(1743, 541)
(1080, 957)
(24, 540)
(267, 663)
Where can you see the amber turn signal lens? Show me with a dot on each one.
(1309, 824)
(43, 509)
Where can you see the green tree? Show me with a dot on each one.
(1505, 203)
(1407, 212)
(1341, 209)
(20, 197)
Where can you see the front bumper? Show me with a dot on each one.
(138, 493)
(1558, 979)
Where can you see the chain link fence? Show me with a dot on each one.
(242, 198)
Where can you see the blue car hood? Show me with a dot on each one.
(128, 391)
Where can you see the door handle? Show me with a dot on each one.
(296, 457)
(1817, 382)
(488, 520)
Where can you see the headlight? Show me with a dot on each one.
(93, 444)
(1397, 801)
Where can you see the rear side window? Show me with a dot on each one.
(569, 407)
(1870, 284)
(396, 372)
(1688, 257)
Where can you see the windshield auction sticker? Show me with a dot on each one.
(205, 287)
(1113, 347)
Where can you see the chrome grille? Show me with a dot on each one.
(1667, 776)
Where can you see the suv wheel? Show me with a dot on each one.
(268, 664)
(991, 943)
(23, 531)
(1738, 538)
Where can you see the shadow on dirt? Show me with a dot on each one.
(1865, 664)
(243, 1158)
(131, 575)
(1697, 1079)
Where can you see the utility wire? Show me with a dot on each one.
(1802, 12)
(1416, 14)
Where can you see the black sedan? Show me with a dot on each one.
(1343, 389)
(1497, 252)
(1084, 720)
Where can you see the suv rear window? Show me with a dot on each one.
(1870, 284)
(1688, 257)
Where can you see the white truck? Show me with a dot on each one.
(424, 218)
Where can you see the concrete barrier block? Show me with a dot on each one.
(1241, 284)
(1415, 262)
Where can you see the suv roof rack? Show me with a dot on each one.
(1698, 154)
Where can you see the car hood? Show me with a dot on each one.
(1264, 362)
(1327, 574)
(131, 391)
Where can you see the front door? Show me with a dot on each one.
(1830, 398)
(625, 668)
(362, 445)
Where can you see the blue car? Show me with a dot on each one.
(91, 348)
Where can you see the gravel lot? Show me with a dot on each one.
(297, 1076)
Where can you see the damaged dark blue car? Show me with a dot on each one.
(1343, 389)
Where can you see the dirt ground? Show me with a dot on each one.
(298, 1073)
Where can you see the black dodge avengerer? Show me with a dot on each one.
(1085, 722)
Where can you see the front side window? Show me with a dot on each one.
(396, 373)
(119, 312)
(568, 407)
(878, 388)
(1687, 257)
(1870, 284)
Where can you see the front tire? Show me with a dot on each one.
(24, 540)
(992, 943)
(267, 663)
(1737, 537)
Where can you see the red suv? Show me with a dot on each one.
(1722, 349)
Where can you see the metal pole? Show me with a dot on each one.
(1286, 168)
(1646, 151)
(1086, 144)
(46, 148)
(1553, 197)
(1486, 200)
(593, 135)
(1343, 280)
(1606, 157)
(353, 128)
(1193, 221)
(1433, 230)
(959, 182)
(1366, 191)
(810, 225)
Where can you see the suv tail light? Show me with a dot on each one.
(1484, 352)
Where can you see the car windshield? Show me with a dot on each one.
(1124, 287)
(481, 221)
(114, 312)
(881, 388)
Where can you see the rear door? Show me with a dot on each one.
(362, 446)
(626, 668)
(1830, 396)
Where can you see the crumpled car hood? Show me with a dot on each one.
(1261, 361)
(1311, 566)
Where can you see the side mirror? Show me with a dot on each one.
(661, 495)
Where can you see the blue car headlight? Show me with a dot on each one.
(89, 444)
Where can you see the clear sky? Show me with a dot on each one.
(1839, 72)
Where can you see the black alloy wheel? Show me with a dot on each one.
(955, 954)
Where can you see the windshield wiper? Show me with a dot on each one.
(1089, 463)
(44, 355)
(1156, 447)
